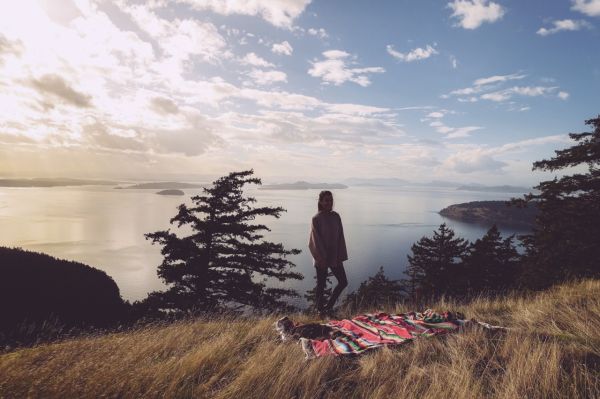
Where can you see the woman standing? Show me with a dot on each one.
(328, 248)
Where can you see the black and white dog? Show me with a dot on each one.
(290, 330)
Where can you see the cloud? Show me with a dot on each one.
(321, 33)
(98, 134)
(164, 106)
(481, 85)
(435, 120)
(335, 70)
(355, 109)
(436, 114)
(453, 132)
(280, 13)
(529, 91)
(413, 55)
(454, 62)
(486, 89)
(8, 138)
(535, 142)
(472, 13)
(9, 47)
(255, 60)
(320, 131)
(58, 87)
(267, 77)
(180, 39)
(473, 161)
(563, 25)
(284, 48)
(497, 79)
(590, 8)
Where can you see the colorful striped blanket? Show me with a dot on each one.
(369, 331)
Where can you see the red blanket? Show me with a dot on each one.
(369, 331)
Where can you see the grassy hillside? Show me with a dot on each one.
(552, 351)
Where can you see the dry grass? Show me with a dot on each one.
(553, 351)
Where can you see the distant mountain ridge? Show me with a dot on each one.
(496, 189)
(53, 182)
(169, 185)
(303, 185)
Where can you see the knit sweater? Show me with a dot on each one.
(326, 240)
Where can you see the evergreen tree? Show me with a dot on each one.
(224, 262)
(375, 292)
(565, 242)
(491, 264)
(435, 268)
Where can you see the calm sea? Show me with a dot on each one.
(104, 228)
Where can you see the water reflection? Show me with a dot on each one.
(104, 227)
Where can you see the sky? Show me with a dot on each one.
(470, 91)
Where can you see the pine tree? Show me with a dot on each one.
(565, 242)
(375, 292)
(435, 268)
(491, 264)
(224, 262)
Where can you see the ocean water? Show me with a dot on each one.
(104, 228)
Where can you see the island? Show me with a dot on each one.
(170, 192)
(53, 182)
(302, 185)
(493, 212)
(169, 185)
(495, 189)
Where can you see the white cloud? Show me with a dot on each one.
(255, 60)
(563, 95)
(267, 77)
(454, 132)
(335, 69)
(472, 13)
(436, 114)
(413, 55)
(497, 79)
(563, 25)
(461, 132)
(529, 91)
(321, 33)
(482, 84)
(282, 48)
(355, 109)
(280, 13)
(335, 54)
(454, 62)
(435, 121)
(470, 161)
(180, 39)
(588, 7)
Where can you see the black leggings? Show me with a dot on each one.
(342, 282)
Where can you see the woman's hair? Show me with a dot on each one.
(322, 194)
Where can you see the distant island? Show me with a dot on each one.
(171, 192)
(395, 182)
(492, 212)
(496, 189)
(169, 185)
(302, 185)
(53, 182)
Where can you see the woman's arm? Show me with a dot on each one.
(315, 245)
(342, 251)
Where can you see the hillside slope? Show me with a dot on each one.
(552, 351)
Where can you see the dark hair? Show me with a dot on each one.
(321, 195)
